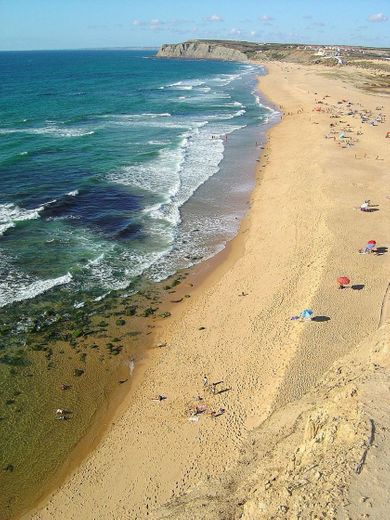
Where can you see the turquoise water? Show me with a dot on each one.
(116, 170)
(115, 164)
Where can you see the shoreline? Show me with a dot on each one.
(199, 274)
(246, 413)
(103, 420)
(105, 416)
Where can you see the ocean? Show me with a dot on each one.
(101, 151)
(117, 170)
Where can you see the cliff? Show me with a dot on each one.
(211, 50)
(228, 50)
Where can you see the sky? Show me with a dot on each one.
(75, 24)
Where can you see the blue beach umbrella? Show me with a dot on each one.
(307, 313)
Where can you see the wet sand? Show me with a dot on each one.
(301, 233)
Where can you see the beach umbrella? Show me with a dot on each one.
(372, 242)
(343, 280)
(307, 313)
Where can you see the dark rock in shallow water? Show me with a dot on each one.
(102, 324)
(193, 258)
(149, 311)
(14, 359)
(130, 311)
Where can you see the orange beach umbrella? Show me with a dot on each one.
(343, 280)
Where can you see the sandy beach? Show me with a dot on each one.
(304, 229)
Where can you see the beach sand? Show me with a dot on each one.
(302, 231)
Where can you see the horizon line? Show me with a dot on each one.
(156, 47)
(135, 48)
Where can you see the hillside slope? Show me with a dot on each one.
(323, 456)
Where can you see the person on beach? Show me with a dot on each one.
(159, 398)
(62, 415)
(369, 248)
(198, 410)
(221, 411)
(365, 206)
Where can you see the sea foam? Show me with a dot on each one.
(11, 213)
(51, 130)
(25, 292)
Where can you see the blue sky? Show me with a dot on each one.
(72, 24)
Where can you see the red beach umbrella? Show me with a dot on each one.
(372, 242)
(343, 280)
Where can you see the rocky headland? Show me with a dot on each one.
(213, 49)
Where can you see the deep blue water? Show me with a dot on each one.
(102, 154)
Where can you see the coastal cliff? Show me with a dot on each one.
(330, 56)
(215, 50)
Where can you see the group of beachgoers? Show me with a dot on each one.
(341, 131)
(347, 108)
(199, 407)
